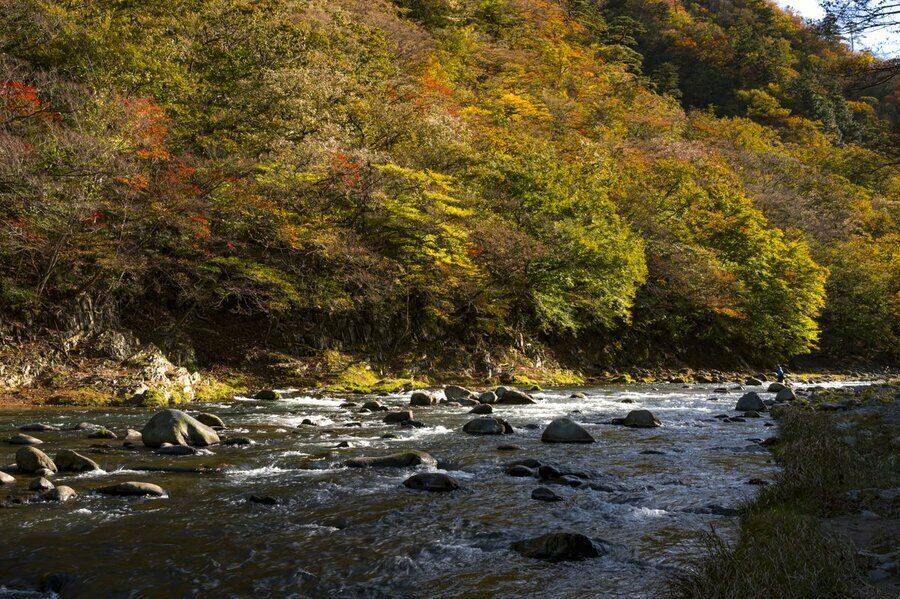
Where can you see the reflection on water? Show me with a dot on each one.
(340, 532)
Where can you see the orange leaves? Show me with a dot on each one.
(21, 100)
(148, 122)
(346, 169)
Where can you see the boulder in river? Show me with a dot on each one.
(519, 470)
(177, 428)
(231, 441)
(513, 397)
(545, 494)
(641, 419)
(421, 399)
(406, 459)
(488, 397)
(557, 546)
(210, 420)
(37, 427)
(61, 494)
(488, 426)
(71, 461)
(435, 482)
(6, 479)
(786, 394)
(751, 381)
(482, 409)
(40, 484)
(456, 393)
(133, 437)
(268, 395)
(776, 387)
(21, 439)
(566, 430)
(175, 450)
(398, 417)
(30, 459)
(133, 489)
(373, 405)
(102, 433)
(750, 401)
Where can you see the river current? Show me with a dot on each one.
(339, 532)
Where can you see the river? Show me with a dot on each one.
(339, 532)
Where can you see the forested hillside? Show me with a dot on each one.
(616, 182)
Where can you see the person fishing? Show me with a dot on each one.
(779, 373)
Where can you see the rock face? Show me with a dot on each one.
(70, 461)
(776, 387)
(641, 419)
(455, 393)
(30, 459)
(557, 546)
(177, 428)
(487, 426)
(566, 430)
(750, 402)
(210, 420)
(420, 398)
(61, 493)
(512, 397)
(434, 482)
(21, 439)
(398, 417)
(405, 459)
(133, 489)
(785, 394)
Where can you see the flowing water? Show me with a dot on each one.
(339, 532)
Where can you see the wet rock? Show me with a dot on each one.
(548, 473)
(488, 397)
(750, 402)
(342, 445)
(175, 450)
(641, 419)
(776, 387)
(527, 462)
(389, 436)
(102, 433)
(509, 448)
(307, 422)
(374, 406)
(626, 400)
(735, 419)
(566, 430)
(652, 452)
(21, 439)
(545, 494)
(412, 424)
(520, 471)
(30, 459)
(37, 427)
(769, 441)
(133, 437)
(577, 395)
(268, 395)
(40, 484)
(557, 546)
(61, 494)
(133, 489)
(210, 420)
(239, 441)
(482, 409)
(512, 397)
(531, 426)
(785, 395)
(753, 382)
(434, 482)
(177, 428)
(404, 459)
(420, 398)
(487, 426)
(44, 472)
(348, 404)
(466, 402)
(456, 393)
(398, 417)
(71, 461)
(262, 500)
(751, 414)
(6, 479)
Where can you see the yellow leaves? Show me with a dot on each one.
(517, 107)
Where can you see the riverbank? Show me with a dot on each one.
(830, 525)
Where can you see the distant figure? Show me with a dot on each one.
(779, 373)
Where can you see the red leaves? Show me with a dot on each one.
(21, 100)
(347, 169)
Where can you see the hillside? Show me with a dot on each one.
(446, 183)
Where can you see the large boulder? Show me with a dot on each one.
(786, 394)
(21, 439)
(455, 393)
(210, 420)
(30, 459)
(776, 387)
(177, 428)
(406, 459)
(71, 461)
(398, 417)
(435, 482)
(421, 399)
(488, 397)
(514, 397)
(750, 402)
(133, 489)
(487, 426)
(557, 546)
(641, 419)
(566, 430)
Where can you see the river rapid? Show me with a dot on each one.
(339, 532)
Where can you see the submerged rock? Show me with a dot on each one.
(71, 461)
(488, 426)
(133, 489)
(238, 441)
(21, 439)
(520, 471)
(176, 450)
(566, 430)
(404, 459)
(102, 433)
(641, 419)
(30, 459)
(177, 428)
(262, 500)
(434, 482)
(557, 546)
(37, 427)
(545, 494)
